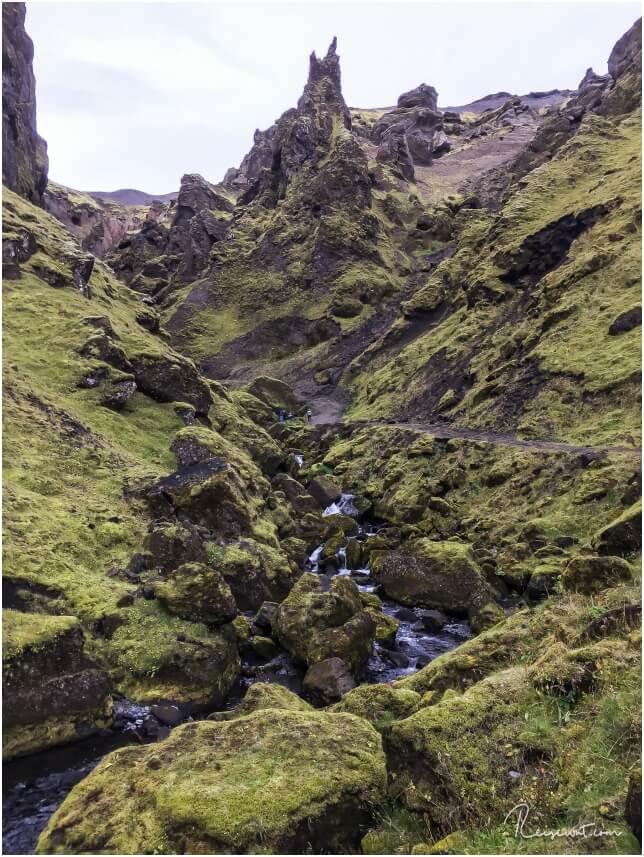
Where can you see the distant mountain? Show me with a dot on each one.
(129, 196)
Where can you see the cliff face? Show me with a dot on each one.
(24, 152)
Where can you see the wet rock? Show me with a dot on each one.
(315, 625)
(263, 647)
(255, 572)
(324, 491)
(432, 620)
(197, 592)
(354, 554)
(262, 695)
(24, 152)
(327, 681)
(169, 715)
(52, 693)
(340, 524)
(265, 616)
(331, 766)
(590, 574)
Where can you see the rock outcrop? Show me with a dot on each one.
(52, 693)
(24, 152)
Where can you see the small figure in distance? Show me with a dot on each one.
(309, 414)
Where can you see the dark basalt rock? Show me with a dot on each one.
(51, 692)
(628, 320)
(328, 681)
(627, 52)
(421, 96)
(24, 152)
(411, 134)
(197, 592)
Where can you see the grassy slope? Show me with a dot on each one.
(578, 300)
(68, 460)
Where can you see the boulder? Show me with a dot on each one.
(197, 592)
(173, 544)
(276, 394)
(432, 574)
(52, 693)
(276, 781)
(590, 574)
(255, 572)
(623, 536)
(433, 620)
(170, 377)
(314, 625)
(324, 490)
(379, 703)
(328, 681)
(483, 614)
(260, 696)
(266, 615)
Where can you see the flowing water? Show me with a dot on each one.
(35, 786)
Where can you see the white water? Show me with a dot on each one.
(344, 506)
(299, 460)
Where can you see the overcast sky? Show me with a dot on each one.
(136, 94)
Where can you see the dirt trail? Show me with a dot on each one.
(446, 432)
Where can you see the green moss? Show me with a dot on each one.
(264, 782)
(31, 631)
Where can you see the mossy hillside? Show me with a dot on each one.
(550, 742)
(268, 782)
(516, 501)
(500, 330)
(72, 466)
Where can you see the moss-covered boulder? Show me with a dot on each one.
(260, 696)
(275, 394)
(173, 544)
(623, 536)
(432, 574)
(379, 703)
(169, 377)
(254, 571)
(197, 592)
(591, 574)
(275, 781)
(314, 625)
(324, 490)
(52, 693)
(452, 760)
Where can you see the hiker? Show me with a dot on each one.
(309, 414)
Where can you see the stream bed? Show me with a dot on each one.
(35, 786)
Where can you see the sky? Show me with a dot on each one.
(137, 94)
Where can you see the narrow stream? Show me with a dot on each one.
(35, 786)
